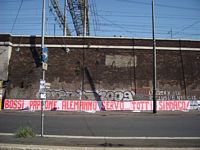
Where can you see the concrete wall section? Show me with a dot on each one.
(5, 54)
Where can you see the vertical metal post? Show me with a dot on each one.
(84, 35)
(54, 29)
(65, 17)
(154, 59)
(43, 71)
(85, 19)
(171, 33)
(43, 22)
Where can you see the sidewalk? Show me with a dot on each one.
(42, 147)
(33, 143)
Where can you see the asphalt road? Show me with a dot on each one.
(112, 124)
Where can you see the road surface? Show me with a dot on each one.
(105, 129)
(105, 124)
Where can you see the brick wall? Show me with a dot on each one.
(106, 69)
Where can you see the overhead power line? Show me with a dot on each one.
(16, 16)
(187, 27)
(160, 5)
(79, 13)
(55, 5)
(21, 16)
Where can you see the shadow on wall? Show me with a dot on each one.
(92, 85)
(35, 54)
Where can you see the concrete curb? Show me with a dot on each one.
(5, 146)
(108, 137)
(104, 112)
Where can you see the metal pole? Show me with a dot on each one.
(54, 29)
(43, 71)
(84, 35)
(65, 18)
(85, 19)
(171, 33)
(43, 22)
(154, 59)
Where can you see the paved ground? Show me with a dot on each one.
(112, 124)
(126, 124)
(43, 147)
(100, 142)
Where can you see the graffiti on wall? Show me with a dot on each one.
(172, 95)
(195, 104)
(118, 95)
(62, 94)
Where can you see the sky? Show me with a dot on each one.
(174, 19)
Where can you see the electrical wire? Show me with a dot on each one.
(149, 16)
(94, 15)
(187, 27)
(160, 5)
(16, 16)
(107, 21)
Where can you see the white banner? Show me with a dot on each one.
(76, 105)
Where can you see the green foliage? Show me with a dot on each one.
(24, 132)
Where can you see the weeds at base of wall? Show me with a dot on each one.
(25, 132)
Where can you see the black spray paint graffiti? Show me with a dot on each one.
(62, 94)
(119, 95)
(104, 95)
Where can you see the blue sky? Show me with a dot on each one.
(177, 19)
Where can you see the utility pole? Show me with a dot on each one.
(44, 68)
(43, 22)
(54, 30)
(85, 19)
(83, 58)
(65, 18)
(171, 33)
(154, 59)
